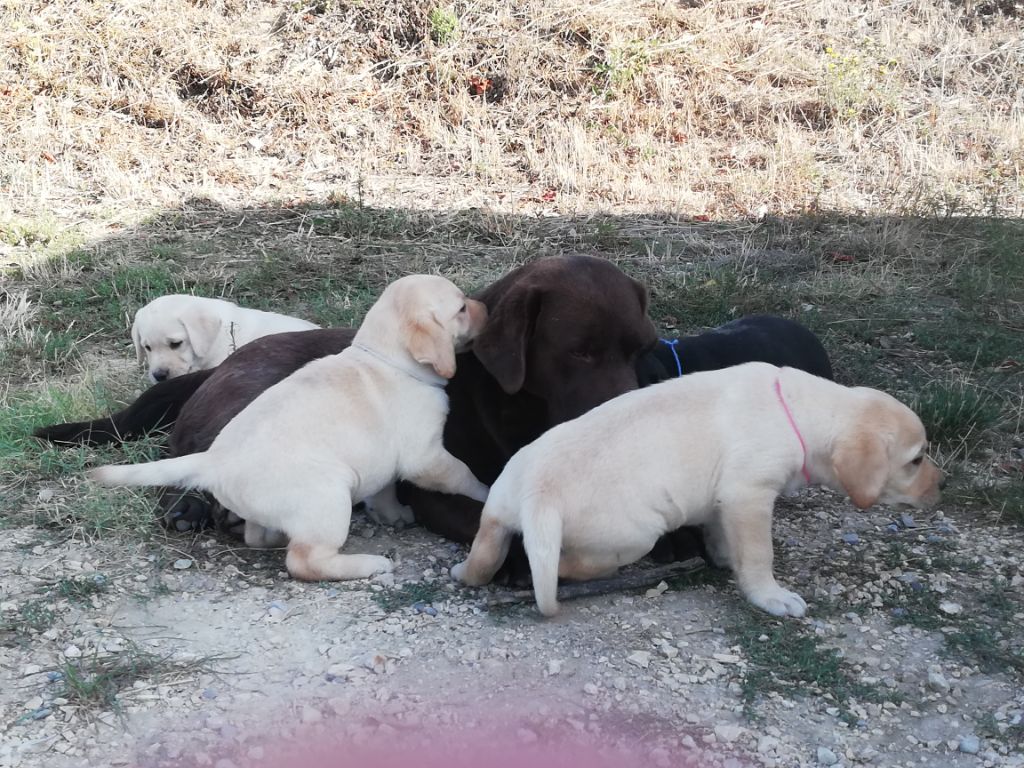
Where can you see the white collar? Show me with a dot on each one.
(431, 379)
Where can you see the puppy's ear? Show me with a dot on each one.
(861, 463)
(202, 327)
(429, 343)
(502, 345)
(140, 352)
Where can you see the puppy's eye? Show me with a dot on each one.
(148, 349)
(174, 344)
(916, 462)
(462, 308)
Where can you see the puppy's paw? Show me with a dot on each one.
(778, 601)
(378, 564)
(458, 572)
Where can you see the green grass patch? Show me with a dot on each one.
(95, 682)
(397, 598)
(80, 588)
(785, 657)
(955, 410)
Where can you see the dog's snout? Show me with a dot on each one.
(943, 479)
(159, 375)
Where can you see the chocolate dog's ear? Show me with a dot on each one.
(502, 345)
(861, 463)
(642, 293)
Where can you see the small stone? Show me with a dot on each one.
(73, 652)
(851, 538)
(767, 744)
(554, 667)
(937, 682)
(687, 742)
(729, 733)
(311, 715)
(590, 689)
(209, 694)
(826, 756)
(947, 606)
(969, 745)
(183, 564)
(908, 520)
(45, 495)
(641, 659)
(657, 591)
(31, 669)
(660, 758)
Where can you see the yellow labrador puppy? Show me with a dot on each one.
(338, 430)
(711, 448)
(178, 333)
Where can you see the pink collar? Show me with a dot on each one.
(796, 429)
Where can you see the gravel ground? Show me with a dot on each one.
(212, 656)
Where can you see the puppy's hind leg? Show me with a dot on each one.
(490, 547)
(542, 537)
(315, 538)
(443, 472)
(385, 508)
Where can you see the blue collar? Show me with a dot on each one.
(671, 344)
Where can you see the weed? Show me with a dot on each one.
(80, 588)
(619, 66)
(955, 411)
(784, 657)
(444, 25)
(406, 595)
(94, 682)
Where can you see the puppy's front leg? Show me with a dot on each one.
(443, 472)
(385, 508)
(747, 524)
(490, 547)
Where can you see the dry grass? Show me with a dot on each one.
(727, 110)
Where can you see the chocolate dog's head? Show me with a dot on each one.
(567, 330)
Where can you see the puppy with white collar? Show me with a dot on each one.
(712, 448)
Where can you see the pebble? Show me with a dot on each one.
(73, 652)
(767, 744)
(937, 682)
(183, 564)
(969, 745)
(554, 667)
(729, 733)
(429, 610)
(590, 689)
(948, 606)
(826, 756)
(908, 520)
(851, 538)
(641, 659)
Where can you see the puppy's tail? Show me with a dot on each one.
(180, 472)
(542, 537)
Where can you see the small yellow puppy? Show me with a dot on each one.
(711, 448)
(340, 429)
(178, 333)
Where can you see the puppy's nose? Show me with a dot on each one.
(159, 375)
(943, 479)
